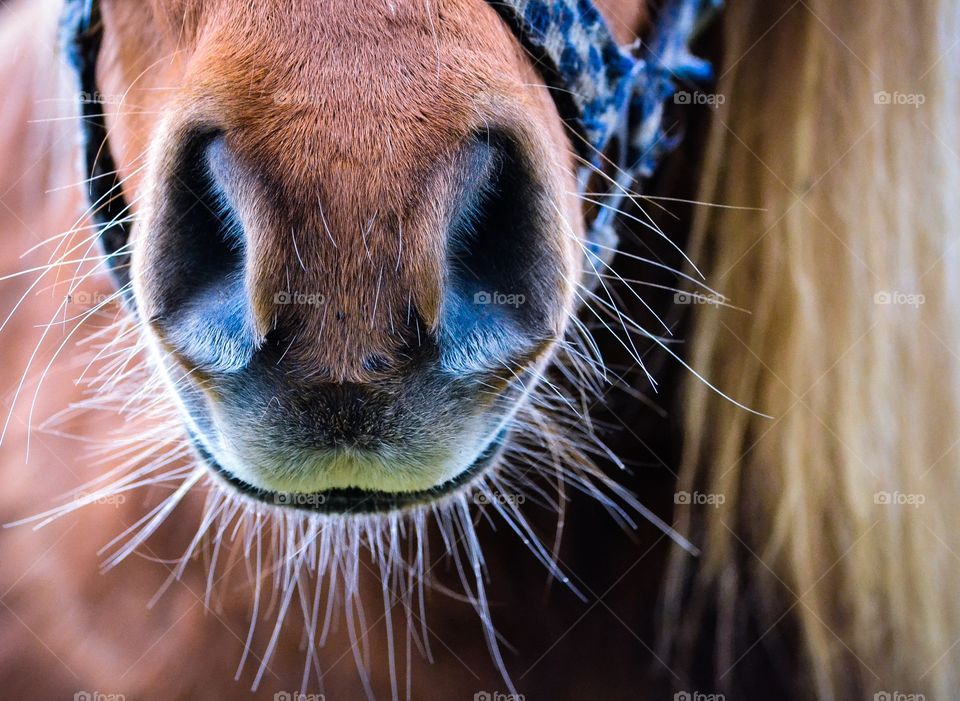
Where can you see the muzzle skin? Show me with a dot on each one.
(307, 359)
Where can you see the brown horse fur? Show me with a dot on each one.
(375, 147)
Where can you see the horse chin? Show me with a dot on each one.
(355, 500)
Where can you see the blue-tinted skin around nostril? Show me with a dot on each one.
(213, 331)
(205, 306)
(502, 285)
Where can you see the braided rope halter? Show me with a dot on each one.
(613, 98)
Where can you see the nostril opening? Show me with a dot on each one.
(503, 272)
(476, 252)
(203, 306)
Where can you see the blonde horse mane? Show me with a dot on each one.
(840, 121)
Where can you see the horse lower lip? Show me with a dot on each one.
(355, 501)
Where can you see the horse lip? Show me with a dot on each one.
(355, 501)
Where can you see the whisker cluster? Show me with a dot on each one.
(308, 564)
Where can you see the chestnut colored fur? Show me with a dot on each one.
(65, 626)
(348, 129)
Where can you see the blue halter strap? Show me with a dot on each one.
(603, 90)
(611, 97)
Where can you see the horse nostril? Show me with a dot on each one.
(504, 273)
(199, 301)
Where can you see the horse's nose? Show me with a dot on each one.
(506, 268)
(494, 259)
(198, 295)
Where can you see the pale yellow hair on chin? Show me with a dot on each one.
(841, 122)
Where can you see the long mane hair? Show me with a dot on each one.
(839, 515)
